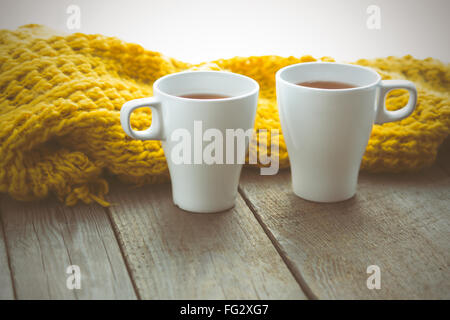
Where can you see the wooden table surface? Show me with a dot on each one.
(272, 245)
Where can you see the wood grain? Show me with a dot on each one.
(6, 285)
(44, 238)
(398, 222)
(173, 254)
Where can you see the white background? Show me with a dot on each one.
(201, 30)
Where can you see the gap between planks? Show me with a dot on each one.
(43, 238)
(295, 272)
(122, 252)
(174, 254)
(399, 221)
(266, 211)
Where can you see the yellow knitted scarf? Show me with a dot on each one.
(60, 98)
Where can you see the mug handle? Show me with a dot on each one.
(384, 115)
(155, 131)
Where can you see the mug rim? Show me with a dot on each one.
(254, 91)
(279, 78)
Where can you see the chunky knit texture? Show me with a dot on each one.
(60, 98)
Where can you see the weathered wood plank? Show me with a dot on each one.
(44, 238)
(173, 254)
(6, 285)
(399, 222)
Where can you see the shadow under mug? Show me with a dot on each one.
(196, 185)
(327, 130)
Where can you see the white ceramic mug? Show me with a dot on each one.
(327, 130)
(198, 187)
